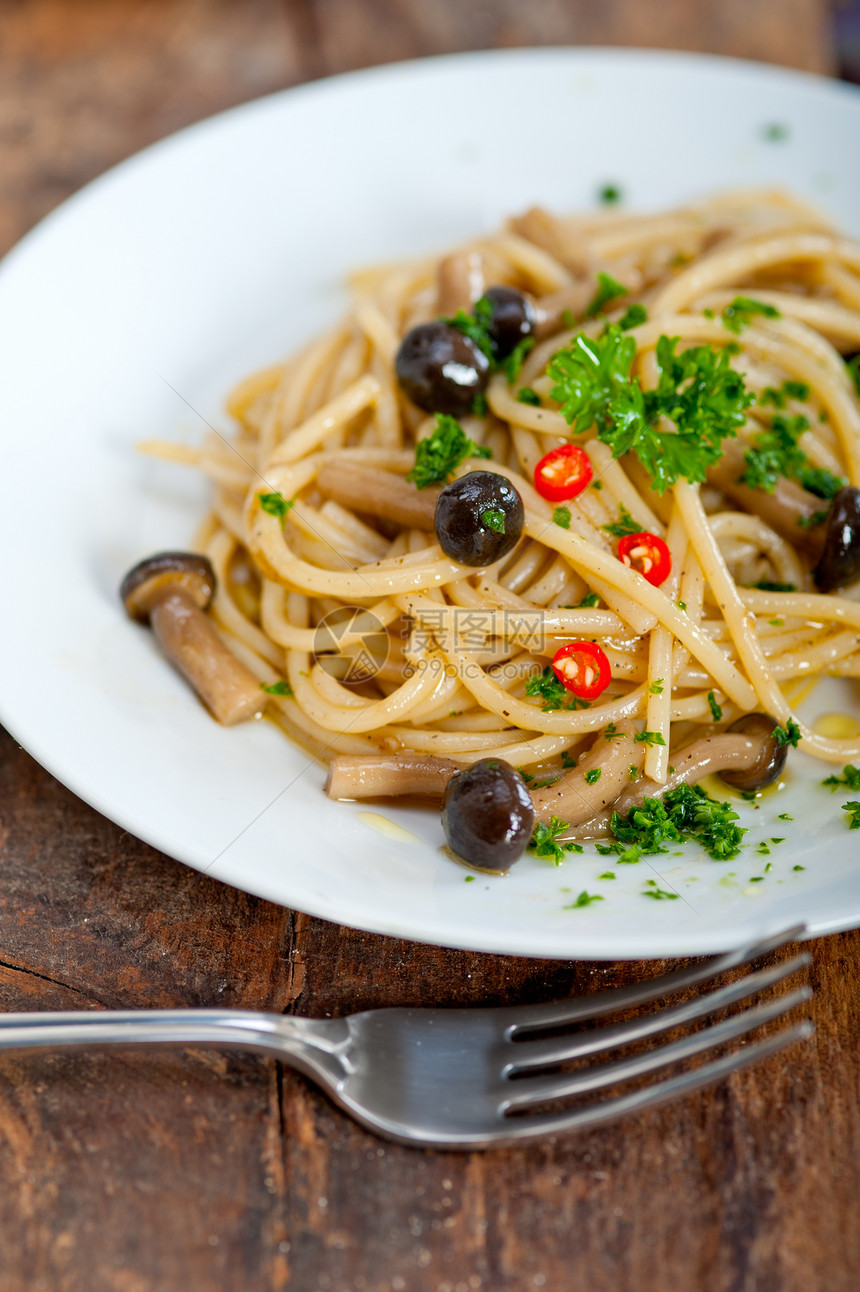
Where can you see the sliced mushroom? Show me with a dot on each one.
(368, 776)
(380, 493)
(170, 592)
(575, 797)
(839, 563)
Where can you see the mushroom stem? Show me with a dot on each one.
(788, 510)
(388, 775)
(575, 799)
(459, 281)
(225, 686)
(379, 492)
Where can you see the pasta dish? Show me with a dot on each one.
(547, 528)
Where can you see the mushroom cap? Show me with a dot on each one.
(152, 577)
(839, 563)
(770, 762)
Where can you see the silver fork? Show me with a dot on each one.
(471, 1078)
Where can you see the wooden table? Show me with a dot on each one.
(197, 1171)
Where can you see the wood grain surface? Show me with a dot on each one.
(192, 1172)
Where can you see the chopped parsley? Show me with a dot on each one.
(608, 288)
(775, 132)
(545, 841)
(798, 868)
(763, 849)
(739, 314)
(607, 874)
(767, 585)
(624, 525)
(592, 776)
(716, 711)
(527, 776)
(787, 735)
(567, 760)
(609, 194)
(850, 778)
(561, 516)
(633, 316)
(652, 889)
(470, 879)
(475, 326)
(649, 738)
(633, 772)
(584, 899)
(277, 688)
(590, 600)
(809, 522)
(494, 518)
(526, 395)
(656, 687)
(552, 694)
(777, 398)
(275, 504)
(437, 456)
(612, 732)
(854, 808)
(697, 390)
(776, 452)
(683, 813)
(480, 407)
(783, 816)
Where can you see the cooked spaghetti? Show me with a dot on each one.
(315, 527)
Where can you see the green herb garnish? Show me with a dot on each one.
(624, 525)
(607, 874)
(590, 600)
(545, 841)
(775, 133)
(561, 516)
(514, 362)
(652, 889)
(526, 395)
(854, 808)
(437, 456)
(552, 694)
(649, 738)
(656, 687)
(716, 711)
(475, 326)
(787, 735)
(853, 366)
(584, 899)
(275, 504)
(850, 778)
(739, 314)
(494, 518)
(608, 288)
(776, 452)
(609, 194)
(683, 813)
(592, 776)
(767, 585)
(633, 316)
(778, 398)
(277, 688)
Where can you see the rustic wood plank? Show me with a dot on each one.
(197, 1171)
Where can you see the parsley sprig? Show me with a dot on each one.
(683, 813)
(545, 841)
(437, 456)
(850, 778)
(697, 390)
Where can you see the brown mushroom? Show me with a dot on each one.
(365, 776)
(771, 759)
(379, 493)
(170, 592)
(793, 512)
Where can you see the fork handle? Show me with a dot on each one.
(311, 1045)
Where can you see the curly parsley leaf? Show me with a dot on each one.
(275, 504)
(608, 289)
(739, 314)
(437, 456)
(545, 841)
(778, 397)
(624, 525)
(593, 386)
(787, 735)
(776, 452)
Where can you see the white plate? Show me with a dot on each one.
(220, 250)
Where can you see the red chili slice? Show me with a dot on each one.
(563, 473)
(582, 667)
(648, 555)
